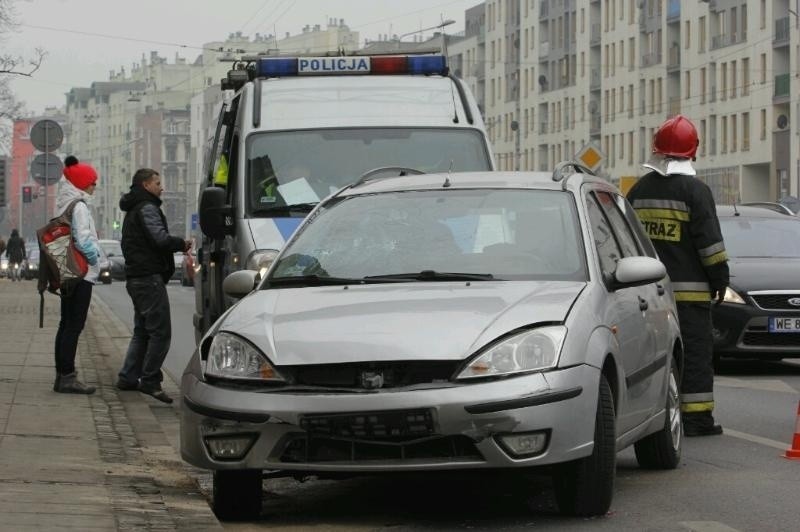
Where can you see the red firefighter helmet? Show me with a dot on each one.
(677, 137)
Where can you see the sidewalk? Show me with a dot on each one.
(107, 461)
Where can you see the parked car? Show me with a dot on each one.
(773, 206)
(473, 321)
(760, 316)
(113, 251)
(104, 263)
(188, 268)
(31, 265)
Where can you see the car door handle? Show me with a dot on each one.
(660, 289)
(642, 303)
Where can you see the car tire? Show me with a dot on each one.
(585, 487)
(237, 494)
(662, 449)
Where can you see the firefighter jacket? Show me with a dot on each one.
(678, 214)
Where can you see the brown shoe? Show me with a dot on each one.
(156, 393)
(69, 383)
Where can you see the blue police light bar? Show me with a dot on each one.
(272, 67)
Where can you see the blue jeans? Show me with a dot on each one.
(74, 309)
(152, 332)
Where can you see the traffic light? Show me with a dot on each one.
(27, 194)
(3, 170)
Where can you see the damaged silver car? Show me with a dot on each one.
(438, 322)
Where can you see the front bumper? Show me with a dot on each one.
(466, 419)
(742, 331)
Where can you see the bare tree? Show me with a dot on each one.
(12, 66)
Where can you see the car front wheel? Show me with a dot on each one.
(237, 494)
(662, 449)
(585, 487)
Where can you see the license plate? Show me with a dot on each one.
(784, 325)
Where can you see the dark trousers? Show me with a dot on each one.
(74, 308)
(152, 332)
(697, 385)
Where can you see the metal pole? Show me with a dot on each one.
(46, 179)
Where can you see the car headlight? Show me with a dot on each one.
(533, 350)
(260, 260)
(233, 357)
(732, 297)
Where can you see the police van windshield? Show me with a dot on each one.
(302, 167)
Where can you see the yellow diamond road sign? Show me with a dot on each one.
(591, 157)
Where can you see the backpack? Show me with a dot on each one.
(61, 264)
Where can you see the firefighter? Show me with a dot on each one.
(678, 213)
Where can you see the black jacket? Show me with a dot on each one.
(146, 243)
(679, 215)
(15, 250)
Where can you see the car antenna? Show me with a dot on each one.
(446, 183)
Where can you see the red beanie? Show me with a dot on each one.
(80, 174)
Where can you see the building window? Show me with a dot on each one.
(701, 34)
(733, 79)
(724, 126)
(687, 35)
(688, 84)
(763, 125)
(745, 131)
(734, 133)
(763, 68)
(745, 76)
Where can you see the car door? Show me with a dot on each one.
(626, 313)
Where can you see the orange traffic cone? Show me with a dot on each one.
(794, 451)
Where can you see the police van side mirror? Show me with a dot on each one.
(216, 217)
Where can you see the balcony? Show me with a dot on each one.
(674, 106)
(594, 35)
(781, 32)
(544, 9)
(543, 128)
(594, 125)
(674, 59)
(651, 59)
(594, 79)
(782, 85)
(544, 49)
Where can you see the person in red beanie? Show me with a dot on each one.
(78, 183)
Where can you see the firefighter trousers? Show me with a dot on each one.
(697, 384)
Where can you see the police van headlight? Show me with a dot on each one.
(260, 260)
(233, 357)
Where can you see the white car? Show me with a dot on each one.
(446, 321)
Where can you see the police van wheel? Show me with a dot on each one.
(585, 487)
(662, 449)
(237, 494)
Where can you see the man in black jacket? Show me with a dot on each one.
(148, 250)
(678, 213)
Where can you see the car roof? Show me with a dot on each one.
(750, 211)
(464, 180)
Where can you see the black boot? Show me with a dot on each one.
(700, 424)
(69, 383)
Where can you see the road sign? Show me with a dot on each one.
(46, 164)
(591, 157)
(46, 135)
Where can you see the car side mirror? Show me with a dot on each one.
(637, 271)
(216, 217)
(239, 283)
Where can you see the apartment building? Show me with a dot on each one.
(559, 78)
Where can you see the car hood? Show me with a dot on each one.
(759, 273)
(407, 321)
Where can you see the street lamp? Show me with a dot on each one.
(438, 26)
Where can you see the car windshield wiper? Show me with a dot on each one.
(312, 280)
(431, 275)
(285, 209)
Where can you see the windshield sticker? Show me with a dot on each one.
(298, 191)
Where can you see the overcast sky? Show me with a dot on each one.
(85, 39)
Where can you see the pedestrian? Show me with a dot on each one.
(15, 251)
(678, 213)
(149, 264)
(78, 183)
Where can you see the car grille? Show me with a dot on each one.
(775, 301)
(392, 374)
(311, 448)
(766, 339)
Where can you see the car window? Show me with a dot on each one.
(761, 237)
(511, 234)
(636, 227)
(608, 250)
(625, 237)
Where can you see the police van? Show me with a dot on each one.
(295, 129)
